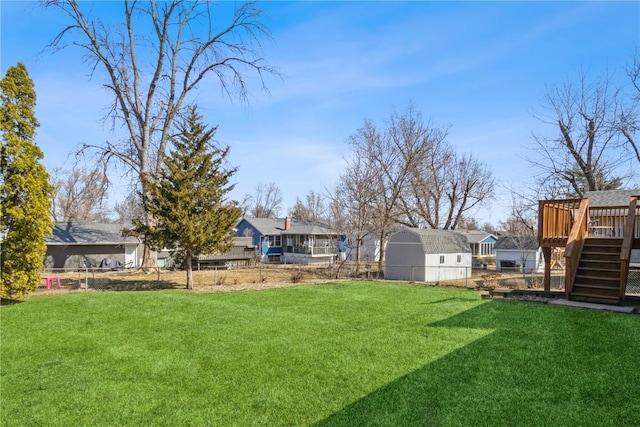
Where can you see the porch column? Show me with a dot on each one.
(546, 253)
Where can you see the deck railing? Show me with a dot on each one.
(575, 242)
(556, 217)
(611, 222)
(314, 250)
(630, 233)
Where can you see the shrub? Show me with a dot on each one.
(490, 280)
(297, 276)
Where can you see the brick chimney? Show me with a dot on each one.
(287, 223)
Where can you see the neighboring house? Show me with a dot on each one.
(369, 250)
(427, 255)
(481, 242)
(79, 244)
(289, 240)
(519, 253)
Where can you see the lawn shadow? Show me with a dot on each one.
(8, 301)
(453, 299)
(517, 374)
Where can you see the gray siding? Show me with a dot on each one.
(75, 256)
(405, 258)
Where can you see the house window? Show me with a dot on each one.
(441, 259)
(458, 259)
(274, 241)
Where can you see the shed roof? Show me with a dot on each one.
(527, 243)
(441, 241)
(610, 198)
(89, 233)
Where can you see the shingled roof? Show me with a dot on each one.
(475, 236)
(89, 233)
(275, 226)
(610, 198)
(527, 243)
(441, 241)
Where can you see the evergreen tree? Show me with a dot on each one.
(188, 197)
(25, 191)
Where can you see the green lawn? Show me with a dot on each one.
(327, 355)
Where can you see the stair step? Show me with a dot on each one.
(599, 269)
(582, 275)
(597, 277)
(593, 261)
(590, 251)
(598, 274)
(605, 299)
(597, 286)
(603, 241)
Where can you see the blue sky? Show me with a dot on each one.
(479, 68)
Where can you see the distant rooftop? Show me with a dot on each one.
(474, 236)
(608, 198)
(275, 226)
(527, 243)
(89, 233)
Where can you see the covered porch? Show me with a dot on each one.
(309, 248)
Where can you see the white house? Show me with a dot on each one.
(427, 256)
(519, 253)
(369, 250)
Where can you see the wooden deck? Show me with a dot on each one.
(597, 242)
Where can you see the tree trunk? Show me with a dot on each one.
(189, 273)
(149, 256)
(358, 249)
(383, 235)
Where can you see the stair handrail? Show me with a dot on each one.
(575, 242)
(627, 244)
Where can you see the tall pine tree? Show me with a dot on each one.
(25, 191)
(188, 197)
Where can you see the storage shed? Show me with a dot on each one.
(519, 253)
(427, 256)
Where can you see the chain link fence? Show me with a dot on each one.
(231, 275)
(633, 281)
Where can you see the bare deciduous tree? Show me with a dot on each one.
(468, 223)
(130, 208)
(155, 59)
(628, 120)
(80, 195)
(446, 188)
(393, 155)
(266, 202)
(584, 152)
(312, 208)
(415, 176)
(351, 204)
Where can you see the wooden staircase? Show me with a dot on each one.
(597, 277)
